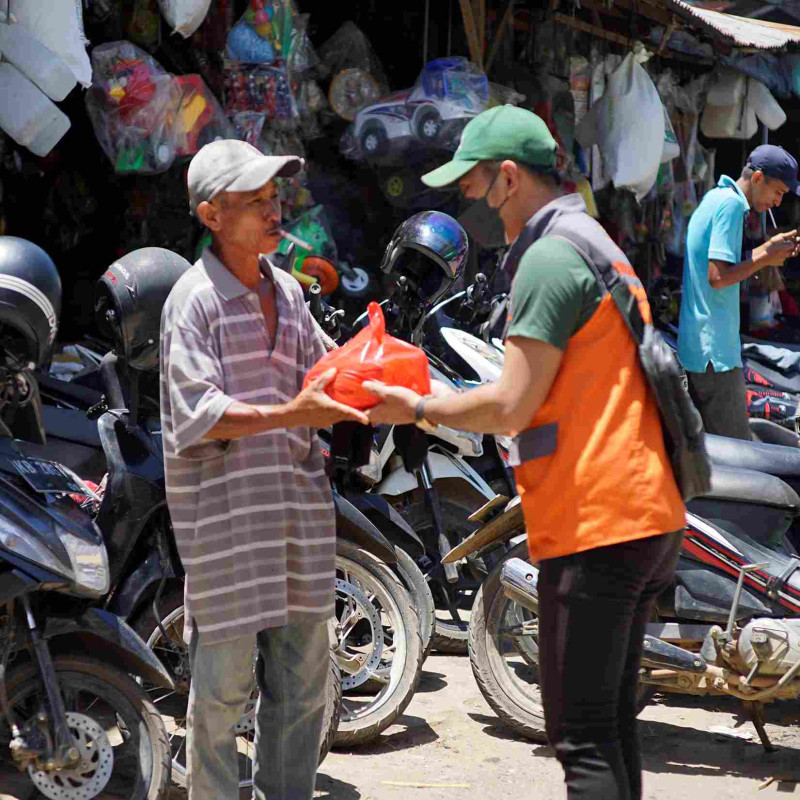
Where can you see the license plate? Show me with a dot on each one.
(46, 476)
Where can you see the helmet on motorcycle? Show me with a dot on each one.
(30, 302)
(129, 299)
(430, 250)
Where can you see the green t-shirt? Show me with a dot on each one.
(554, 293)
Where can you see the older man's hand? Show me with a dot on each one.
(313, 407)
(398, 405)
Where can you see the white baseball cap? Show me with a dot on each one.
(229, 165)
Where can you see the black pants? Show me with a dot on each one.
(721, 399)
(593, 608)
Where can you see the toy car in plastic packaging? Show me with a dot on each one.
(448, 93)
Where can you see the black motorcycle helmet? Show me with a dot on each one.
(129, 299)
(30, 304)
(430, 250)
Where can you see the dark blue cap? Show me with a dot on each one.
(775, 162)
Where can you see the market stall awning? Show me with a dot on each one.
(739, 31)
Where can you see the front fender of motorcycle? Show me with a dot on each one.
(351, 524)
(137, 586)
(107, 637)
(378, 510)
(505, 526)
(135, 490)
(442, 465)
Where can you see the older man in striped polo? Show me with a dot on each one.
(250, 502)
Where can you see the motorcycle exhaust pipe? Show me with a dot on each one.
(662, 655)
(519, 579)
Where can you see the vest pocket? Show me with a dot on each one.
(533, 443)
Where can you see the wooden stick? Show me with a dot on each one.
(469, 27)
(499, 35)
(601, 33)
(482, 28)
(665, 37)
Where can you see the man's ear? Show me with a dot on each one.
(758, 178)
(510, 171)
(209, 215)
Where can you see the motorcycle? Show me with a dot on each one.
(736, 569)
(438, 497)
(147, 577)
(75, 717)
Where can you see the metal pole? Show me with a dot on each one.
(425, 35)
(764, 140)
(450, 28)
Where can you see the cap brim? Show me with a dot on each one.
(448, 173)
(264, 170)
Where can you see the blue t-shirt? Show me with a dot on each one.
(709, 324)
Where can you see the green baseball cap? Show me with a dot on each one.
(499, 133)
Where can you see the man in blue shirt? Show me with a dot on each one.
(708, 334)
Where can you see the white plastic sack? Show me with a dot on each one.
(35, 61)
(765, 106)
(727, 88)
(184, 16)
(27, 115)
(628, 125)
(729, 122)
(58, 25)
(740, 121)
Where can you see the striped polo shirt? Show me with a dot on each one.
(253, 517)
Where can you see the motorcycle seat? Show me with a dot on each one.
(748, 486)
(777, 379)
(773, 459)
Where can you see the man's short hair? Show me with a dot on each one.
(550, 176)
(748, 172)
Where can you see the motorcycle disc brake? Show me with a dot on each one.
(92, 772)
(345, 656)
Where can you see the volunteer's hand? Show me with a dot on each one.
(439, 389)
(315, 409)
(777, 249)
(398, 406)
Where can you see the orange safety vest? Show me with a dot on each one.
(593, 469)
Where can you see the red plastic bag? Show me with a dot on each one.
(372, 355)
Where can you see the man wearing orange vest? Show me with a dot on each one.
(602, 509)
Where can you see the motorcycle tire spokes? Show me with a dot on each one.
(370, 636)
(376, 635)
(173, 705)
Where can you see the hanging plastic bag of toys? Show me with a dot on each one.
(358, 75)
(200, 117)
(133, 105)
(263, 89)
(263, 34)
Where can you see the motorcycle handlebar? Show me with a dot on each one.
(315, 302)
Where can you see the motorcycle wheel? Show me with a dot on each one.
(421, 597)
(504, 654)
(174, 655)
(122, 723)
(452, 632)
(377, 645)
